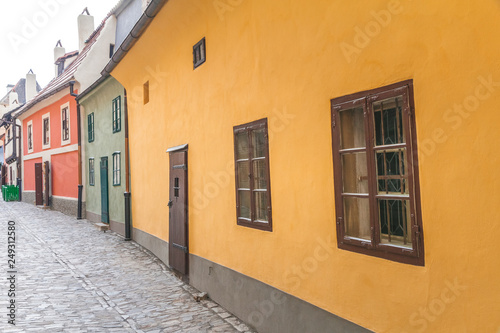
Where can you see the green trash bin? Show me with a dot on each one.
(13, 193)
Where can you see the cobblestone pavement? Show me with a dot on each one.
(72, 277)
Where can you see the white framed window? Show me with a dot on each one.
(116, 168)
(29, 139)
(91, 172)
(65, 125)
(46, 131)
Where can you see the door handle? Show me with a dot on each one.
(170, 203)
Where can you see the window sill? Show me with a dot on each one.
(383, 252)
(256, 225)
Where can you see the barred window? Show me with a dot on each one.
(376, 174)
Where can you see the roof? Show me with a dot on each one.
(66, 56)
(64, 80)
(20, 89)
(8, 116)
(139, 28)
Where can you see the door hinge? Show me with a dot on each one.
(180, 166)
(183, 248)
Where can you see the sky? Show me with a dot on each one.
(30, 29)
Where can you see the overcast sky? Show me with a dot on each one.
(30, 29)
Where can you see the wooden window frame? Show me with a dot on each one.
(91, 171)
(90, 127)
(117, 121)
(252, 223)
(199, 53)
(46, 132)
(374, 247)
(29, 135)
(65, 125)
(117, 175)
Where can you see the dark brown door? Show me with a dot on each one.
(4, 174)
(178, 224)
(38, 184)
(46, 178)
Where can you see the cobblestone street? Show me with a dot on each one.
(71, 277)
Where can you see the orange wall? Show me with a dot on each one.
(55, 125)
(64, 168)
(285, 60)
(29, 173)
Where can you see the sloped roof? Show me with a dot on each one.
(139, 28)
(66, 56)
(20, 89)
(63, 81)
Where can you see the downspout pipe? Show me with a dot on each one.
(80, 185)
(128, 224)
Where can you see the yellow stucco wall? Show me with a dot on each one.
(285, 60)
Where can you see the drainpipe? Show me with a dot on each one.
(80, 186)
(19, 167)
(128, 225)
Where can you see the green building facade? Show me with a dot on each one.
(103, 138)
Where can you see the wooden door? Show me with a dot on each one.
(38, 184)
(4, 174)
(104, 190)
(178, 215)
(46, 174)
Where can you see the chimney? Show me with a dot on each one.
(13, 99)
(85, 28)
(59, 51)
(9, 88)
(30, 85)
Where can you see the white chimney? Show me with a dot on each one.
(9, 88)
(59, 51)
(13, 99)
(30, 85)
(85, 28)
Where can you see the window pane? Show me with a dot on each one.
(352, 134)
(391, 171)
(395, 226)
(242, 150)
(388, 120)
(260, 198)
(259, 143)
(357, 217)
(243, 175)
(259, 174)
(244, 201)
(355, 173)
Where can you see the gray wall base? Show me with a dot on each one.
(29, 197)
(154, 244)
(261, 306)
(66, 206)
(265, 308)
